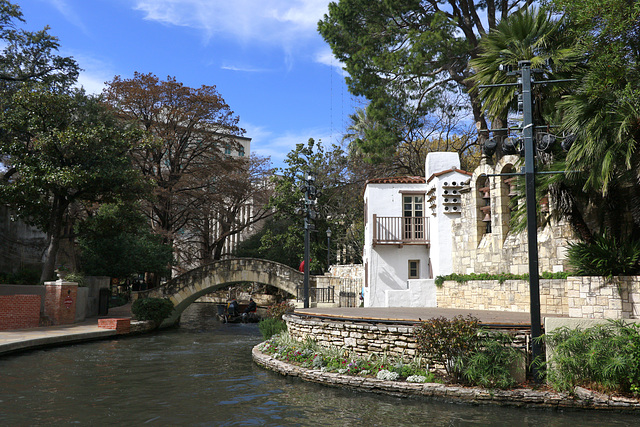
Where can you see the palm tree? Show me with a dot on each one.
(532, 35)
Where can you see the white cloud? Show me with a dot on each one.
(69, 13)
(95, 72)
(326, 57)
(276, 22)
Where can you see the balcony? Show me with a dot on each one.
(388, 230)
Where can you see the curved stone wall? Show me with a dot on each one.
(367, 337)
(581, 399)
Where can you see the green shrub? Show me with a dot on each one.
(276, 311)
(605, 256)
(448, 341)
(491, 365)
(76, 277)
(604, 356)
(500, 277)
(271, 326)
(26, 276)
(154, 309)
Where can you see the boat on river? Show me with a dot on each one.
(241, 317)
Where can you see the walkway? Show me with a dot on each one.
(25, 339)
(414, 315)
(44, 336)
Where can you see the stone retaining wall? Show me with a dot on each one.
(364, 337)
(582, 399)
(578, 297)
(511, 295)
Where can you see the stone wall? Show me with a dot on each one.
(501, 251)
(519, 397)
(348, 271)
(577, 297)
(365, 338)
(511, 295)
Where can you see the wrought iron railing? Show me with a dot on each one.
(388, 230)
(318, 295)
(349, 294)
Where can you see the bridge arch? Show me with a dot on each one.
(183, 290)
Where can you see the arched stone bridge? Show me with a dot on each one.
(188, 287)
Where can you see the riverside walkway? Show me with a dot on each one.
(12, 341)
(26, 339)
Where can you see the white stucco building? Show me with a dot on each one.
(408, 239)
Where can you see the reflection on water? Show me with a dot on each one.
(201, 374)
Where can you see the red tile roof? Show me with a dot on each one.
(447, 171)
(398, 180)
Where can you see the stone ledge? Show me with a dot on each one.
(583, 398)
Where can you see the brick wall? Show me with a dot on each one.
(19, 311)
(60, 302)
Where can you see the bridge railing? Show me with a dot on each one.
(318, 295)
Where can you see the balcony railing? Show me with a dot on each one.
(389, 230)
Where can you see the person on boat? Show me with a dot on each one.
(251, 308)
(233, 307)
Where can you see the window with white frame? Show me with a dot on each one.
(414, 269)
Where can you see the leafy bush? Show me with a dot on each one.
(271, 326)
(605, 256)
(154, 309)
(26, 276)
(448, 341)
(276, 311)
(606, 356)
(490, 366)
(76, 277)
(500, 277)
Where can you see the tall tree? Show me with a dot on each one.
(31, 57)
(60, 149)
(603, 112)
(404, 55)
(235, 203)
(338, 207)
(116, 241)
(190, 128)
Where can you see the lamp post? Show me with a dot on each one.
(526, 82)
(310, 195)
(328, 248)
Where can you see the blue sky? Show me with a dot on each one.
(265, 57)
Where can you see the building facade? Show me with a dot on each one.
(450, 221)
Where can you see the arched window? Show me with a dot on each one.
(484, 203)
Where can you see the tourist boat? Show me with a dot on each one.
(225, 317)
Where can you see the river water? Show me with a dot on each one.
(201, 374)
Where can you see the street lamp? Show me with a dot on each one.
(310, 195)
(328, 248)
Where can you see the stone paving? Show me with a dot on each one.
(26, 339)
(414, 314)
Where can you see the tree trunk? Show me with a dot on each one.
(55, 230)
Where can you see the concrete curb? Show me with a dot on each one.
(526, 398)
(31, 339)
